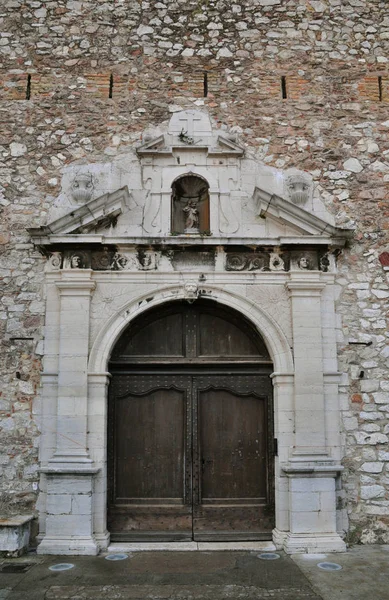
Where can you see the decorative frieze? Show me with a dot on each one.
(283, 261)
(108, 258)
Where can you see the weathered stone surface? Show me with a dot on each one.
(333, 125)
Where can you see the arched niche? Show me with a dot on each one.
(190, 205)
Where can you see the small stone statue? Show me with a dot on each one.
(192, 217)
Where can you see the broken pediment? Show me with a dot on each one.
(188, 184)
(94, 215)
(271, 206)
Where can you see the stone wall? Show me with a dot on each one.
(303, 84)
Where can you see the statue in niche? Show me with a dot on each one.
(190, 205)
(192, 217)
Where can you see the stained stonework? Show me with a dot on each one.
(328, 119)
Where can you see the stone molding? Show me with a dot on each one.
(274, 337)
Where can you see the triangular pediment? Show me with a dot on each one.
(295, 218)
(162, 145)
(190, 130)
(96, 214)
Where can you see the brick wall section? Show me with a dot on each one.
(331, 53)
(358, 89)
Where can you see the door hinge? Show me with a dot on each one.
(275, 447)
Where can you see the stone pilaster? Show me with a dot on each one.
(310, 469)
(70, 471)
(305, 295)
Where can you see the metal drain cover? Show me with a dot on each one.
(15, 567)
(268, 556)
(61, 567)
(327, 566)
(116, 557)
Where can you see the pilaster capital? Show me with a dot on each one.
(305, 288)
(76, 283)
(99, 379)
(282, 378)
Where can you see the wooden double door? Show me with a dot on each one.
(190, 441)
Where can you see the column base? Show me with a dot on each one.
(103, 540)
(71, 546)
(315, 543)
(279, 538)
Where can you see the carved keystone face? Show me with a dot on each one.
(191, 291)
(82, 187)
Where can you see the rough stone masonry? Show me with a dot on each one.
(302, 83)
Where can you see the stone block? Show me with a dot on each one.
(15, 535)
(69, 525)
(372, 467)
(81, 504)
(372, 491)
(369, 385)
(58, 504)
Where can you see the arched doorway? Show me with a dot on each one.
(190, 428)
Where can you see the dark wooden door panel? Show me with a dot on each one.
(234, 499)
(232, 446)
(151, 493)
(150, 432)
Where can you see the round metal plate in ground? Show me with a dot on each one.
(268, 556)
(327, 566)
(116, 557)
(61, 567)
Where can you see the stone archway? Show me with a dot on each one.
(98, 378)
(190, 427)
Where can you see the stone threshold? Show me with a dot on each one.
(191, 546)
